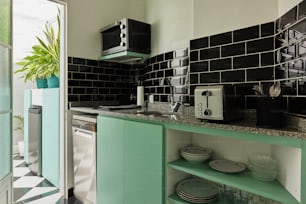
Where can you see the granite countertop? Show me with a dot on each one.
(247, 125)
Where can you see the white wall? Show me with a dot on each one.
(217, 16)
(175, 22)
(171, 24)
(85, 18)
(286, 5)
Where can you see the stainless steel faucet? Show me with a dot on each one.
(174, 106)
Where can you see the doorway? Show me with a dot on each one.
(29, 20)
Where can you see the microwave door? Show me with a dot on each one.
(112, 41)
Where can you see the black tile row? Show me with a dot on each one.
(247, 75)
(244, 34)
(247, 61)
(256, 46)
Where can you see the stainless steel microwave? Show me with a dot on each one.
(126, 35)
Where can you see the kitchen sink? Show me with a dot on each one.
(170, 115)
(153, 113)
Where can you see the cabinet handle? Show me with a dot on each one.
(83, 134)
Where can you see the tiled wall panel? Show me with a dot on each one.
(258, 55)
(92, 80)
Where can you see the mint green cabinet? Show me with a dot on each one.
(50, 142)
(129, 162)
(50, 135)
(109, 161)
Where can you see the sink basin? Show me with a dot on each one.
(170, 115)
(153, 113)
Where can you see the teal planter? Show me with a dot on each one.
(53, 81)
(41, 83)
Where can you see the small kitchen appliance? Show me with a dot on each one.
(217, 103)
(126, 35)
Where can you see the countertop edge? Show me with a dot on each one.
(193, 122)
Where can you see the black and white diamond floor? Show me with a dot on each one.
(31, 189)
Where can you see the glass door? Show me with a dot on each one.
(5, 101)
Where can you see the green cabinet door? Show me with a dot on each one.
(50, 136)
(143, 163)
(109, 161)
(129, 162)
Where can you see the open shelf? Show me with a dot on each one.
(125, 57)
(243, 181)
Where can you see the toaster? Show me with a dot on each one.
(217, 103)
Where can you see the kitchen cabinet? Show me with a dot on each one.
(50, 131)
(50, 135)
(128, 140)
(129, 162)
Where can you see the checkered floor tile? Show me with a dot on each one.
(31, 189)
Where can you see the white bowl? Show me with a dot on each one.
(195, 154)
(195, 159)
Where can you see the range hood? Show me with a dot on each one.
(125, 57)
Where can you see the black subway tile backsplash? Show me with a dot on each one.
(79, 61)
(168, 55)
(288, 18)
(246, 33)
(72, 68)
(221, 64)
(233, 76)
(261, 45)
(221, 39)
(199, 66)
(260, 74)
(92, 62)
(78, 76)
(209, 53)
(194, 55)
(92, 80)
(194, 78)
(267, 58)
(246, 61)
(213, 77)
(198, 43)
(302, 9)
(234, 49)
(267, 29)
(160, 58)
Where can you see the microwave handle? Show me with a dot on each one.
(117, 23)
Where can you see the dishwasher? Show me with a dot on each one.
(84, 157)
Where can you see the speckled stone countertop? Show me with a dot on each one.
(295, 127)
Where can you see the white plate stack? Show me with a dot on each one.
(196, 190)
(195, 154)
(263, 167)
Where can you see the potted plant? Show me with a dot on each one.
(43, 63)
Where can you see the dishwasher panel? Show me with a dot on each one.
(84, 161)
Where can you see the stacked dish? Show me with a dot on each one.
(227, 166)
(263, 167)
(196, 190)
(195, 154)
